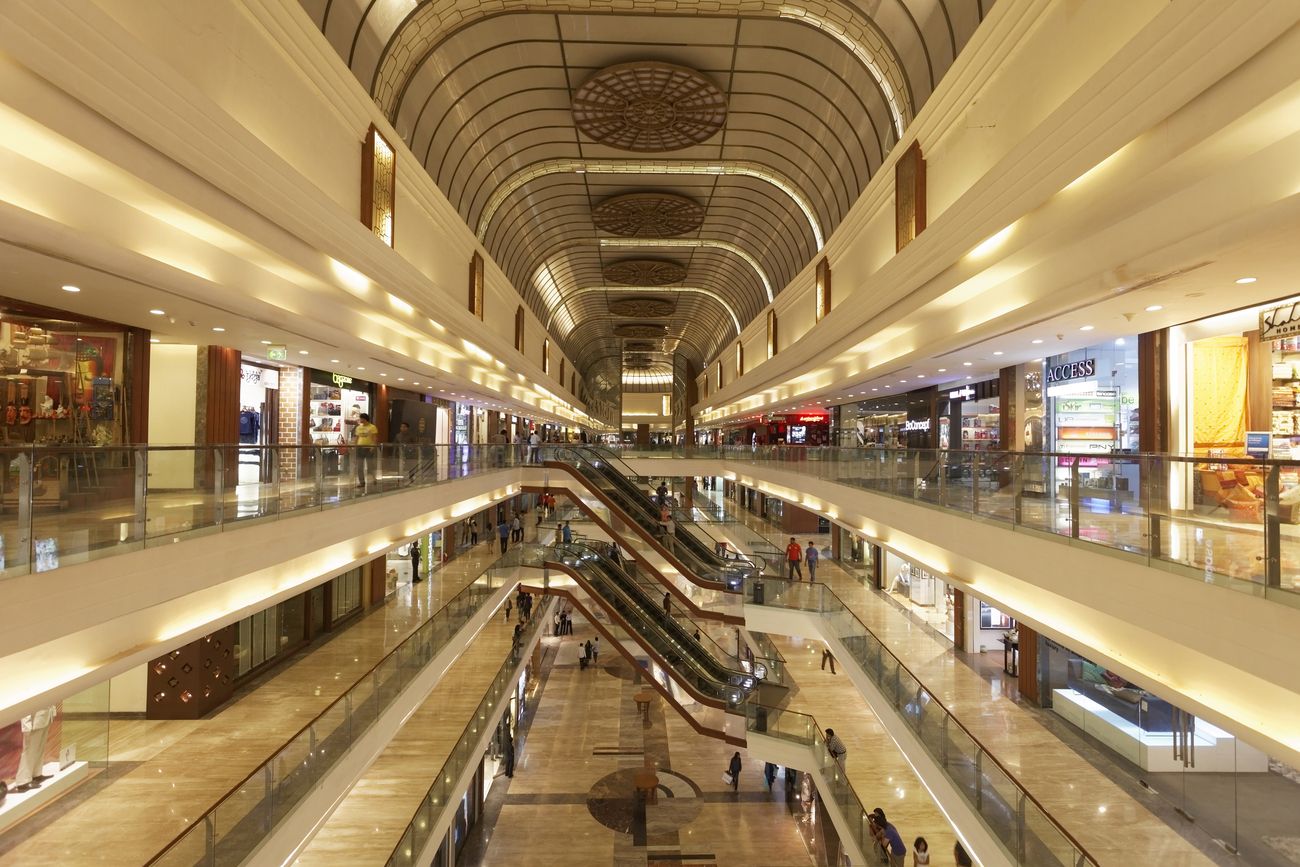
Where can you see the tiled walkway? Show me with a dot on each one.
(369, 822)
(1113, 826)
(570, 802)
(185, 767)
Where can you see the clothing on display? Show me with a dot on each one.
(31, 764)
(250, 425)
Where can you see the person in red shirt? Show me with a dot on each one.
(793, 556)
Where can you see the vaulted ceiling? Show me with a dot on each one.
(649, 177)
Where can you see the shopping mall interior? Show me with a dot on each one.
(674, 432)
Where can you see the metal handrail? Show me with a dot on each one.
(823, 590)
(506, 561)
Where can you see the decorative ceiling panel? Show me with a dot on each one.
(648, 107)
(648, 215)
(644, 307)
(645, 272)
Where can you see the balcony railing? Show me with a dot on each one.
(231, 829)
(1228, 521)
(63, 505)
(1013, 816)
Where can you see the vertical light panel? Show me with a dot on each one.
(378, 185)
(740, 360)
(546, 355)
(822, 296)
(771, 333)
(476, 285)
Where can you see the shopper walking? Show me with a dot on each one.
(566, 533)
(503, 533)
(734, 770)
(668, 604)
(810, 557)
(827, 656)
(587, 656)
(769, 774)
(836, 747)
(473, 533)
(595, 650)
(509, 750)
(516, 529)
(365, 436)
(415, 563)
(793, 555)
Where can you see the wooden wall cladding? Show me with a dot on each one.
(195, 679)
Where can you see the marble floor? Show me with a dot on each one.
(167, 774)
(368, 823)
(571, 804)
(1073, 791)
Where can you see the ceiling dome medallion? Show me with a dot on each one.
(643, 308)
(640, 346)
(649, 107)
(641, 330)
(644, 272)
(648, 215)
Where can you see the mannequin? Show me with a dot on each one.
(31, 766)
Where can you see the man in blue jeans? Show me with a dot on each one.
(810, 556)
(793, 554)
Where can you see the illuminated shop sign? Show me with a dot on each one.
(1279, 322)
(812, 419)
(1072, 370)
(962, 394)
(340, 380)
(917, 425)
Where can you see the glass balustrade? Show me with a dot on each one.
(234, 827)
(1022, 826)
(61, 505)
(1234, 522)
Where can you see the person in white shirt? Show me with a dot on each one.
(535, 448)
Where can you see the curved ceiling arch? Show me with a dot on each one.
(816, 94)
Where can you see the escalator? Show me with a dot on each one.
(693, 552)
(691, 662)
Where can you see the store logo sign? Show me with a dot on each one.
(1279, 322)
(962, 393)
(814, 419)
(1074, 370)
(341, 380)
(919, 425)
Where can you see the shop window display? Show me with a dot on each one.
(924, 595)
(63, 381)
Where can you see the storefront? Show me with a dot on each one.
(1092, 411)
(859, 557)
(894, 421)
(969, 417)
(265, 392)
(69, 380)
(335, 402)
(971, 624)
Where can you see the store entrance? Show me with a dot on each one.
(259, 414)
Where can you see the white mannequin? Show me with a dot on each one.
(36, 727)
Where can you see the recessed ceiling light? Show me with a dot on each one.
(920, 376)
(1085, 327)
(157, 312)
(1036, 340)
(360, 368)
(943, 370)
(334, 361)
(154, 340)
(1152, 308)
(71, 288)
(902, 380)
(401, 379)
(970, 377)
(1244, 280)
(999, 352)
(967, 363)
(266, 343)
(383, 374)
(217, 328)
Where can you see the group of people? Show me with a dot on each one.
(795, 555)
(562, 623)
(588, 652)
(524, 448)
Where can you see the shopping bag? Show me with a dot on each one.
(726, 778)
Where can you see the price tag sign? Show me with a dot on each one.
(277, 352)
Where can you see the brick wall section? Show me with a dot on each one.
(291, 420)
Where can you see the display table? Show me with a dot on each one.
(646, 782)
(18, 805)
(1010, 656)
(643, 699)
(1216, 750)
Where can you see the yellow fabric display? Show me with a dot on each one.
(1219, 393)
